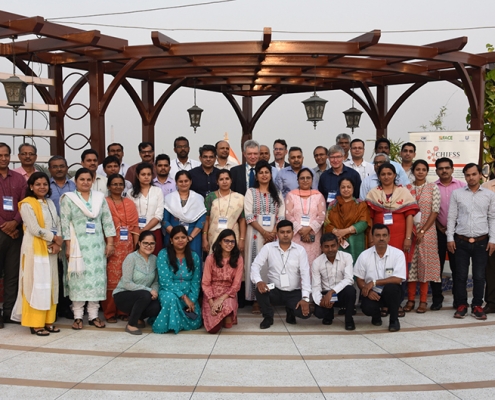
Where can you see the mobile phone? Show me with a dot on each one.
(270, 286)
(190, 314)
(312, 238)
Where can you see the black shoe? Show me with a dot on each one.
(327, 321)
(350, 326)
(1, 323)
(7, 320)
(291, 318)
(376, 321)
(341, 311)
(489, 309)
(436, 307)
(394, 326)
(266, 323)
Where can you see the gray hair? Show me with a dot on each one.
(28, 145)
(387, 158)
(342, 136)
(250, 144)
(336, 149)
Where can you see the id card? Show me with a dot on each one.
(389, 272)
(266, 220)
(90, 228)
(331, 196)
(185, 225)
(305, 220)
(344, 244)
(222, 222)
(141, 222)
(8, 203)
(334, 298)
(124, 233)
(378, 289)
(388, 219)
(284, 280)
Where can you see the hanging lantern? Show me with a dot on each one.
(315, 106)
(195, 116)
(15, 89)
(352, 117)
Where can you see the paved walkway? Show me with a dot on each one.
(434, 356)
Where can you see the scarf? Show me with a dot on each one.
(304, 193)
(400, 201)
(341, 214)
(194, 208)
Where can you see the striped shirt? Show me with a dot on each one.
(471, 214)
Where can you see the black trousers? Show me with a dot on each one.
(490, 281)
(347, 299)
(137, 304)
(436, 287)
(280, 297)
(63, 306)
(10, 251)
(389, 298)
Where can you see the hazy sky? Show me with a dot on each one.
(286, 117)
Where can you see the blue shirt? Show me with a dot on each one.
(57, 191)
(286, 180)
(329, 182)
(370, 182)
(402, 177)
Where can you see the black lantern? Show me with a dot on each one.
(195, 112)
(15, 88)
(352, 117)
(315, 106)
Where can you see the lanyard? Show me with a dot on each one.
(286, 259)
(117, 214)
(302, 208)
(147, 203)
(228, 205)
(185, 165)
(54, 225)
(418, 193)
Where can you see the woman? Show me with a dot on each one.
(221, 281)
(37, 296)
(179, 278)
(185, 207)
(137, 290)
(125, 220)
(85, 218)
(224, 210)
(263, 208)
(148, 200)
(305, 208)
(349, 219)
(425, 264)
(395, 207)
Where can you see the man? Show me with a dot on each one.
(204, 177)
(264, 153)
(332, 281)
(182, 162)
(117, 150)
(344, 140)
(287, 177)
(111, 166)
(372, 181)
(446, 185)
(357, 163)
(288, 271)
(382, 145)
(12, 190)
(407, 154)
(59, 184)
(223, 160)
(380, 271)
(320, 154)
(163, 179)
(147, 154)
(329, 180)
(89, 160)
(279, 153)
(27, 156)
(243, 176)
(471, 236)
(490, 269)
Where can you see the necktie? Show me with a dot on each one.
(251, 177)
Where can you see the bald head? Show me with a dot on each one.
(223, 149)
(264, 153)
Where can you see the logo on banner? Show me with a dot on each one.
(432, 155)
(443, 138)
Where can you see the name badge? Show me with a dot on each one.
(54, 231)
(331, 196)
(344, 244)
(305, 220)
(284, 280)
(222, 222)
(388, 219)
(8, 203)
(266, 220)
(90, 228)
(378, 289)
(334, 298)
(389, 271)
(185, 225)
(124, 233)
(141, 222)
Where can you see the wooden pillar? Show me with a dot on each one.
(247, 112)
(148, 99)
(382, 104)
(477, 120)
(57, 144)
(97, 118)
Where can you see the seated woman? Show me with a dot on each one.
(179, 278)
(222, 278)
(137, 290)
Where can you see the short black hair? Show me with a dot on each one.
(161, 157)
(207, 147)
(328, 237)
(471, 165)
(379, 226)
(180, 139)
(442, 160)
(284, 223)
(282, 142)
(88, 151)
(382, 140)
(115, 144)
(295, 148)
(143, 145)
(110, 159)
(410, 145)
(55, 158)
(356, 141)
(320, 147)
(2, 144)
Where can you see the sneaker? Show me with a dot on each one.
(461, 311)
(478, 313)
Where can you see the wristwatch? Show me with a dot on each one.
(374, 283)
(306, 299)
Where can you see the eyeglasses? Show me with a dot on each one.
(148, 244)
(27, 154)
(335, 157)
(227, 241)
(305, 178)
(278, 149)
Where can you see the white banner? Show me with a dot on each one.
(461, 147)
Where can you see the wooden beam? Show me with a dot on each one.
(27, 132)
(30, 80)
(162, 41)
(32, 106)
(450, 45)
(368, 39)
(267, 38)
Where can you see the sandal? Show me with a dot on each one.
(112, 320)
(422, 308)
(97, 322)
(77, 325)
(124, 318)
(409, 305)
(256, 308)
(52, 329)
(384, 312)
(39, 332)
(401, 313)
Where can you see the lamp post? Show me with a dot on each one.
(15, 88)
(315, 105)
(195, 112)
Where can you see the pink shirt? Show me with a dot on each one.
(23, 172)
(445, 192)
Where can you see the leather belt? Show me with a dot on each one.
(471, 239)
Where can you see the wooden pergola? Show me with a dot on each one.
(245, 68)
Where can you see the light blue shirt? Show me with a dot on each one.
(368, 183)
(286, 180)
(57, 191)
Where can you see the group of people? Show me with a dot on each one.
(179, 243)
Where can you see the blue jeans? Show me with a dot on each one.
(464, 253)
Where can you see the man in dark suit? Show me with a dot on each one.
(243, 176)
(279, 153)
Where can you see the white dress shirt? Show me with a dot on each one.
(176, 166)
(228, 165)
(150, 206)
(370, 267)
(293, 261)
(364, 169)
(334, 276)
(99, 184)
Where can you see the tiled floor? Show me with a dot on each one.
(434, 356)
